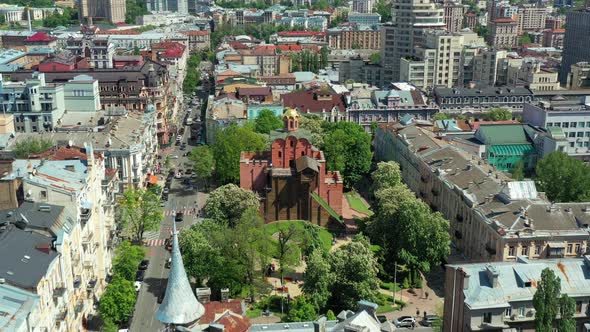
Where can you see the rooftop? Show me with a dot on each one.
(15, 304)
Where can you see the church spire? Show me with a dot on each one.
(180, 306)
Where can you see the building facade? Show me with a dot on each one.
(479, 100)
(355, 37)
(112, 11)
(578, 76)
(531, 17)
(453, 15)
(503, 33)
(575, 41)
(362, 6)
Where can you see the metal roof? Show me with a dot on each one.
(511, 150)
(502, 134)
(17, 304)
(180, 306)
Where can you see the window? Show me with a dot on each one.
(525, 250)
(566, 125)
(585, 144)
(511, 251)
(43, 194)
(571, 134)
(557, 124)
(571, 144)
(508, 312)
(588, 134)
(280, 154)
(537, 250)
(521, 310)
(573, 124)
(578, 307)
(487, 317)
(577, 248)
(549, 124)
(581, 124)
(580, 134)
(569, 248)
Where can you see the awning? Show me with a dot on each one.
(556, 244)
(86, 204)
(152, 179)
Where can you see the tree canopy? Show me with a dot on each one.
(227, 203)
(229, 144)
(387, 174)
(313, 124)
(347, 148)
(341, 278)
(383, 8)
(498, 114)
(266, 122)
(140, 211)
(546, 301)
(23, 149)
(375, 58)
(126, 260)
(301, 310)
(66, 19)
(203, 162)
(118, 301)
(563, 178)
(133, 9)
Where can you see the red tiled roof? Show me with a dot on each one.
(558, 30)
(238, 46)
(216, 308)
(234, 323)
(118, 32)
(196, 32)
(504, 20)
(172, 49)
(64, 153)
(307, 101)
(40, 37)
(290, 47)
(258, 91)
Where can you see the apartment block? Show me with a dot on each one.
(112, 11)
(503, 33)
(533, 75)
(368, 19)
(579, 76)
(553, 38)
(486, 64)
(453, 15)
(355, 37)
(482, 99)
(198, 39)
(499, 295)
(363, 6)
(531, 17)
(492, 217)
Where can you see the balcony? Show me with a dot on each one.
(91, 285)
(87, 239)
(85, 215)
(88, 263)
(77, 282)
(61, 315)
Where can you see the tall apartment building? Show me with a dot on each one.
(555, 22)
(178, 6)
(368, 19)
(485, 66)
(531, 17)
(453, 15)
(410, 18)
(112, 11)
(503, 33)
(362, 6)
(436, 63)
(575, 42)
(355, 37)
(470, 20)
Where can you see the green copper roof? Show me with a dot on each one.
(502, 134)
(511, 150)
(300, 133)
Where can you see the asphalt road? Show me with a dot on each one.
(179, 198)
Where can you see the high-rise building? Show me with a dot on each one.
(362, 6)
(109, 10)
(531, 17)
(575, 42)
(503, 33)
(410, 18)
(453, 15)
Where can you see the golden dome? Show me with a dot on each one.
(291, 113)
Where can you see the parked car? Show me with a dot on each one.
(137, 285)
(143, 265)
(166, 190)
(139, 275)
(179, 216)
(404, 321)
(429, 320)
(179, 138)
(168, 262)
(382, 318)
(168, 244)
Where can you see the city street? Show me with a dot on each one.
(180, 198)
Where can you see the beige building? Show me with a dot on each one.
(453, 15)
(359, 37)
(486, 65)
(112, 11)
(198, 40)
(579, 76)
(492, 218)
(503, 33)
(532, 75)
(531, 17)
(7, 124)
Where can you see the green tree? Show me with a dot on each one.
(567, 309)
(108, 325)
(313, 124)
(441, 116)
(324, 52)
(23, 149)
(287, 250)
(347, 148)
(200, 257)
(481, 30)
(355, 269)
(229, 144)
(383, 8)
(387, 174)
(318, 279)
(301, 310)
(266, 122)
(518, 171)
(133, 9)
(498, 114)
(228, 203)
(126, 260)
(524, 39)
(203, 162)
(330, 315)
(563, 178)
(546, 301)
(375, 58)
(118, 300)
(140, 211)
(311, 239)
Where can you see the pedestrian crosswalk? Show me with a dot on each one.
(187, 212)
(155, 243)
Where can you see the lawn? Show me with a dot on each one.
(390, 286)
(357, 204)
(385, 303)
(274, 227)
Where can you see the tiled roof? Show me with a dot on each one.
(196, 32)
(39, 37)
(290, 47)
(258, 91)
(234, 323)
(217, 308)
(306, 101)
(504, 20)
(118, 32)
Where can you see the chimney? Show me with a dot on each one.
(203, 295)
(225, 295)
(320, 325)
(465, 278)
(492, 275)
(369, 307)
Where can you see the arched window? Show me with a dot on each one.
(280, 154)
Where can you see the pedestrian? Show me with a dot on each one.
(413, 325)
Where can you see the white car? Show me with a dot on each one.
(404, 321)
(137, 285)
